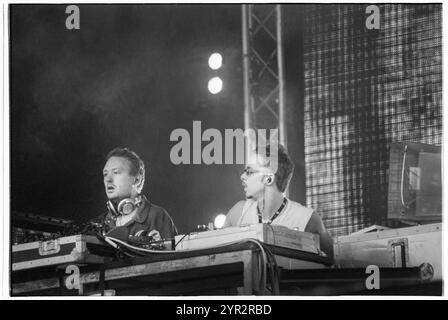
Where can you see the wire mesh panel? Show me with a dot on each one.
(363, 90)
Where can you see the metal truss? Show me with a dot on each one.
(264, 96)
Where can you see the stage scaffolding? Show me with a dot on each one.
(264, 92)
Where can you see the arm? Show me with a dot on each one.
(166, 225)
(316, 225)
(234, 214)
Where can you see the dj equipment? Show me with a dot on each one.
(120, 233)
(28, 227)
(270, 234)
(83, 249)
(88, 249)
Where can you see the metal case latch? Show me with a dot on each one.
(400, 252)
(49, 247)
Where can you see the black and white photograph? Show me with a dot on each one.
(232, 149)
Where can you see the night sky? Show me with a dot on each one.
(128, 77)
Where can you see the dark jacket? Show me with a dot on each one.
(148, 217)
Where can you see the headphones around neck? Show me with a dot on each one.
(125, 206)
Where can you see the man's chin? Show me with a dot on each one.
(112, 197)
(253, 196)
(116, 198)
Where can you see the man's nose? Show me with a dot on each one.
(108, 177)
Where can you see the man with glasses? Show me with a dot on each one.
(266, 201)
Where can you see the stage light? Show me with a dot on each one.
(215, 85)
(219, 221)
(215, 61)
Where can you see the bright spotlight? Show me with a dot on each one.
(215, 61)
(215, 85)
(219, 221)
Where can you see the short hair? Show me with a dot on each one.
(137, 166)
(285, 166)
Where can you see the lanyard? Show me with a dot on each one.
(260, 220)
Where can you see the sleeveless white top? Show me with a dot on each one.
(294, 216)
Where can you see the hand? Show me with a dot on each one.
(155, 235)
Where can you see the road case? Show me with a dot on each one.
(85, 249)
(401, 247)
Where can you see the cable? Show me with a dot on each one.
(185, 235)
(262, 280)
(273, 272)
(115, 246)
(129, 246)
(174, 251)
(402, 177)
(266, 257)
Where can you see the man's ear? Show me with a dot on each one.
(269, 179)
(138, 182)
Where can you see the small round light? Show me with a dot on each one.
(215, 61)
(219, 221)
(215, 85)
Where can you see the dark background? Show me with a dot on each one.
(128, 77)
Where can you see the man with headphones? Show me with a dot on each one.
(266, 202)
(124, 177)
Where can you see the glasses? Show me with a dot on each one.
(249, 171)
